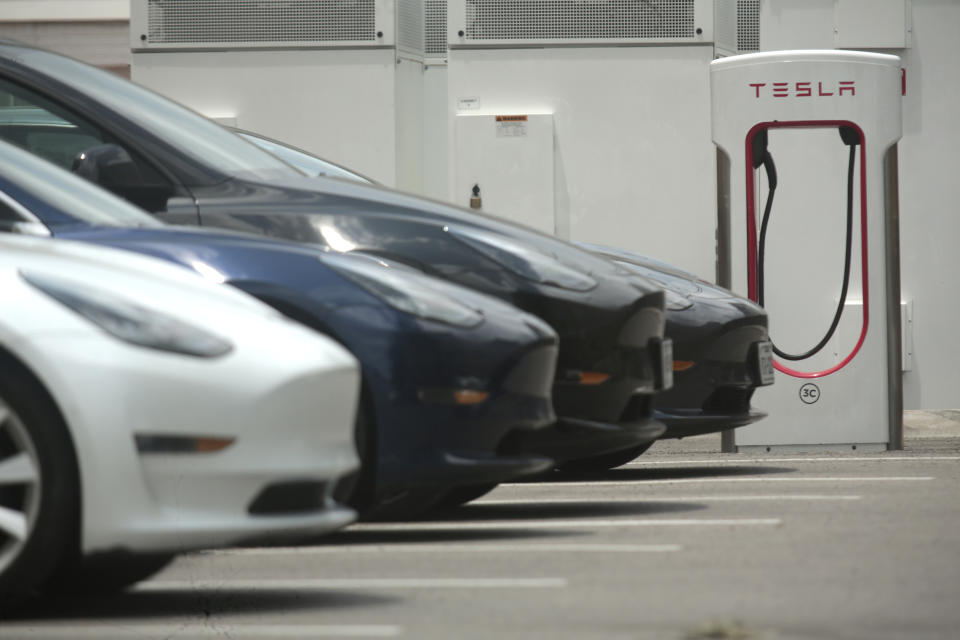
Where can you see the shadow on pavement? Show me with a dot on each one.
(565, 510)
(192, 603)
(426, 536)
(626, 474)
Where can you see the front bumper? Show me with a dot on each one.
(573, 438)
(430, 445)
(288, 403)
(714, 394)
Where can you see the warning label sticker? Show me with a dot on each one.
(511, 126)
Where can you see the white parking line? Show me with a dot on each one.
(783, 497)
(646, 463)
(450, 548)
(585, 523)
(354, 583)
(186, 631)
(712, 480)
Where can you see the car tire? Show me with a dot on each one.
(39, 487)
(462, 495)
(105, 574)
(605, 461)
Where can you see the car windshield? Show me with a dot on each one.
(34, 182)
(191, 133)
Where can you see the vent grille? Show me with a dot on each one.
(436, 29)
(232, 21)
(579, 19)
(748, 25)
(410, 27)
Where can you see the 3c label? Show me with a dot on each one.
(809, 393)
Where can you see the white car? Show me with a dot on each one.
(145, 411)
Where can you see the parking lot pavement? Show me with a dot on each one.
(684, 543)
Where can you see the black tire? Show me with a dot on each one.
(105, 574)
(605, 461)
(33, 431)
(463, 495)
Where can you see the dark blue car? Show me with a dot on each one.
(456, 384)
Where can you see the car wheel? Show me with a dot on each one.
(39, 495)
(105, 574)
(605, 461)
(463, 495)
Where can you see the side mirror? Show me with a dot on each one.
(107, 165)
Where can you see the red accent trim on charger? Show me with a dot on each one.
(752, 232)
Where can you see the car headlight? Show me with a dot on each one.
(128, 321)
(404, 290)
(523, 260)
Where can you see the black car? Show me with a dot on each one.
(722, 352)
(721, 348)
(186, 169)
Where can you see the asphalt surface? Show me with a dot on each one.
(684, 543)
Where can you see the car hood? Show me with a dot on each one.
(287, 269)
(435, 212)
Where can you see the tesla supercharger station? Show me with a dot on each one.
(809, 228)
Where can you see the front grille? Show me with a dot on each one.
(289, 497)
(728, 400)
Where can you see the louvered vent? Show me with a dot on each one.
(410, 28)
(436, 29)
(579, 19)
(253, 21)
(748, 25)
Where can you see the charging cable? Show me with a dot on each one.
(761, 156)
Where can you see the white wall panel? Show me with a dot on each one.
(409, 125)
(435, 132)
(340, 104)
(929, 209)
(635, 166)
(100, 43)
(510, 158)
(63, 10)
(796, 24)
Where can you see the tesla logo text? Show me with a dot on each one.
(804, 89)
(809, 393)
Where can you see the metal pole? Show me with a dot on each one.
(891, 206)
(724, 276)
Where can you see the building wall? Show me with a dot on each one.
(635, 165)
(340, 104)
(929, 156)
(95, 31)
(629, 166)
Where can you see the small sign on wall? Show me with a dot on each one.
(511, 126)
(468, 104)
